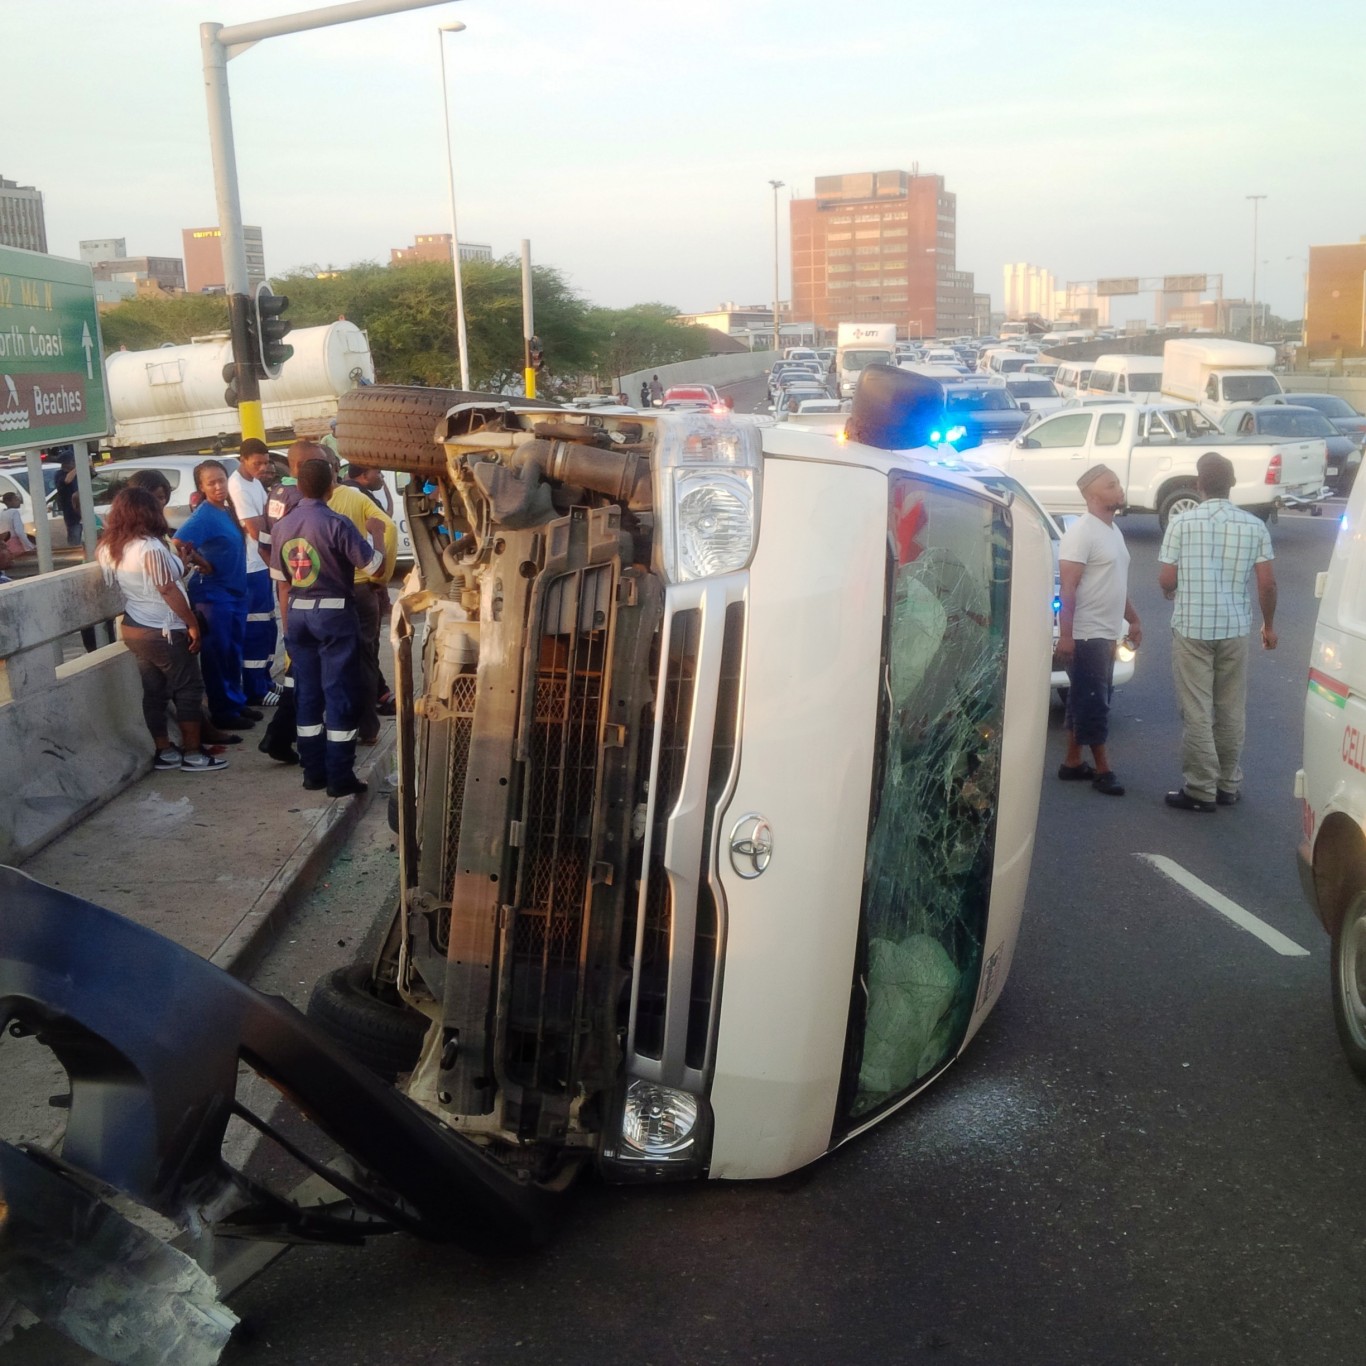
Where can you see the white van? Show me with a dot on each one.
(1073, 376)
(1003, 360)
(1137, 378)
(1332, 784)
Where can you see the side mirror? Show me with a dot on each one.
(1024, 407)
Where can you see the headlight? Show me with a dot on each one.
(707, 485)
(658, 1121)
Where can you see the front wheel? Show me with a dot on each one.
(1181, 499)
(1349, 983)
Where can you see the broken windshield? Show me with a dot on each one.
(927, 876)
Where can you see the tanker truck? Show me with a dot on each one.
(172, 398)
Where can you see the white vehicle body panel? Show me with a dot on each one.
(1200, 372)
(785, 1002)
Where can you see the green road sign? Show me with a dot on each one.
(51, 361)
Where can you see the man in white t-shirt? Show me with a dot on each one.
(248, 493)
(1093, 565)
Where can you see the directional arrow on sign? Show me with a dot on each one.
(89, 346)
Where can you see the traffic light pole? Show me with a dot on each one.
(219, 45)
(528, 322)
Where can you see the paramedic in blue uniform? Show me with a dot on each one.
(314, 553)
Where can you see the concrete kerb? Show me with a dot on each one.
(243, 947)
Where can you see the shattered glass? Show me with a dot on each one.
(928, 872)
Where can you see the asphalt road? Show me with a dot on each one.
(1147, 1156)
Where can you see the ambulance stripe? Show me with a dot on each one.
(1329, 688)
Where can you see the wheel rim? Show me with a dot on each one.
(1183, 504)
(1352, 972)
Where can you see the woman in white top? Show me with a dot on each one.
(12, 534)
(158, 627)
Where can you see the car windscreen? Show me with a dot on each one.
(1189, 422)
(1249, 388)
(20, 477)
(980, 400)
(1330, 405)
(927, 879)
(857, 360)
(1293, 422)
(1035, 388)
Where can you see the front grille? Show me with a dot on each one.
(677, 681)
(682, 929)
(554, 852)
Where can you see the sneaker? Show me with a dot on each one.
(1108, 783)
(167, 759)
(201, 763)
(1229, 798)
(269, 699)
(1182, 800)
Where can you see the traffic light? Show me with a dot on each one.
(230, 379)
(537, 353)
(268, 327)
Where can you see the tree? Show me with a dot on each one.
(140, 324)
(641, 337)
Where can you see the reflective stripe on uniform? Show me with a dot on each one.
(307, 731)
(308, 604)
(340, 736)
(256, 663)
(260, 616)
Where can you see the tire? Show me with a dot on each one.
(385, 1038)
(1181, 499)
(1349, 983)
(393, 426)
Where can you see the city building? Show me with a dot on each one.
(436, 246)
(1334, 303)
(752, 325)
(21, 216)
(1030, 291)
(204, 259)
(120, 276)
(880, 246)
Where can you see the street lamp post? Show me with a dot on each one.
(777, 335)
(1256, 204)
(219, 44)
(461, 346)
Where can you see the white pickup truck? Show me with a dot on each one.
(1153, 448)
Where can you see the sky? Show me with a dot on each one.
(633, 141)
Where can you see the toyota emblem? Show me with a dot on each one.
(751, 846)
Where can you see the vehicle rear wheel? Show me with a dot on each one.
(1349, 983)
(393, 426)
(1181, 499)
(385, 1038)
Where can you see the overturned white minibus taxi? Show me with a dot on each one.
(718, 785)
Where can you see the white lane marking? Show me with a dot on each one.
(1243, 919)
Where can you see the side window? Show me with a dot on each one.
(1212, 388)
(1103, 381)
(1247, 424)
(1069, 429)
(1109, 429)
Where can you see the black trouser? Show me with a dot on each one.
(367, 688)
(169, 673)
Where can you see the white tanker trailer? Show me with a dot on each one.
(172, 398)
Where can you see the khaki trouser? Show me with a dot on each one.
(1211, 690)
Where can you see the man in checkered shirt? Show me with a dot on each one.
(1207, 557)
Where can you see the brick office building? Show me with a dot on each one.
(881, 246)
